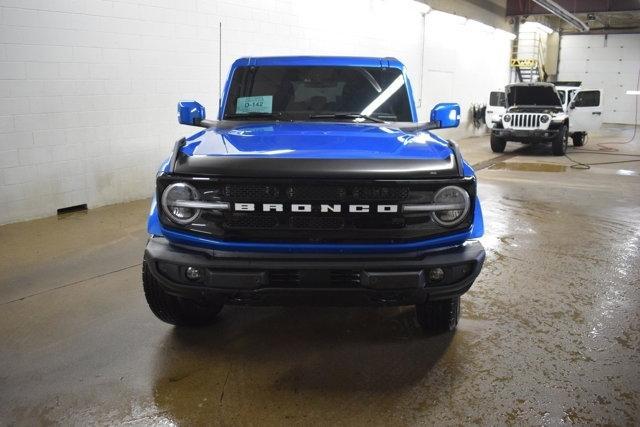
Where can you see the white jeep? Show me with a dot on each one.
(535, 113)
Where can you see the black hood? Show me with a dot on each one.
(534, 109)
(532, 95)
(317, 150)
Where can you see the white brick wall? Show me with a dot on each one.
(88, 88)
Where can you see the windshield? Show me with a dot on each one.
(562, 95)
(496, 99)
(328, 92)
(533, 95)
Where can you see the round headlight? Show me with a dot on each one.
(506, 118)
(174, 206)
(544, 118)
(453, 205)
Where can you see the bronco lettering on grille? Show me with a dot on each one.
(323, 208)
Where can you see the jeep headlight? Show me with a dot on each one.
(544, 118)
(506, 118)
(451, 205)
(178, 203)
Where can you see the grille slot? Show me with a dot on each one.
(525, 120)
(243, 192)
(284, 278)
(314, 192)
(314, 278)
(380, 193)
(345, 278)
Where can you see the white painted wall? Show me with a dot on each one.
(88, 88)
(464, 61)
(609, 63)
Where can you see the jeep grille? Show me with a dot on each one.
(525, 120)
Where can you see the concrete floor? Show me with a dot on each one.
(550, 332)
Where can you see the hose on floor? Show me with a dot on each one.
(604, 146)
(586, 166)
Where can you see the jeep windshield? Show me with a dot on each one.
(539, 96)
(327, 93)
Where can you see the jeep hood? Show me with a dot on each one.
(327, 150)
(532, 95)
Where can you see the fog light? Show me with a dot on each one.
(193, 273)
(436, 274)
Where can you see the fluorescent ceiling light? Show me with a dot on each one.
(564, 14)
(633, 92)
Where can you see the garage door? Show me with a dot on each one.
(608, 62)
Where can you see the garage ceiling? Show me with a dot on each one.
(601, 16)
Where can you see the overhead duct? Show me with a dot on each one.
(563, 14)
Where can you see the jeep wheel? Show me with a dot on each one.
(497, 144)
(174, 310)
(560, 142)
(439, 316)
(579, 139)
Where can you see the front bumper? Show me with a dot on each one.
(314, 279)
(525, 134)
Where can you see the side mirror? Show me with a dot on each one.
(445, 115)
(190, 113)
(572, 105)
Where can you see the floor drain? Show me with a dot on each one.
(72, 209)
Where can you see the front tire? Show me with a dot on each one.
(497, 144)
(439, 316)
(579, 139)
(175, 310)
(560, 142)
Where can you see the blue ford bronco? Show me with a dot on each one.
(315, 185)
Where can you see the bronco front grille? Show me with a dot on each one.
(525, 120)
(317, 226)
(314, 278)
(338, 193)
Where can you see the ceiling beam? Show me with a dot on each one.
(529, 7)
(563, 14)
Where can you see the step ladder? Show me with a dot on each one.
(527, 58)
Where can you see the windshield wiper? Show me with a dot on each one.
(345, 116)
(255, 115)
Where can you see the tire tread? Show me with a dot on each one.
(439, 316)
(498, 144)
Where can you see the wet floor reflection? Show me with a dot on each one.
(261, 360)
(528, 167)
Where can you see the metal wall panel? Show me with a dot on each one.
(610, 63)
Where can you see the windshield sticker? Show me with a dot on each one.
(254, 104)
